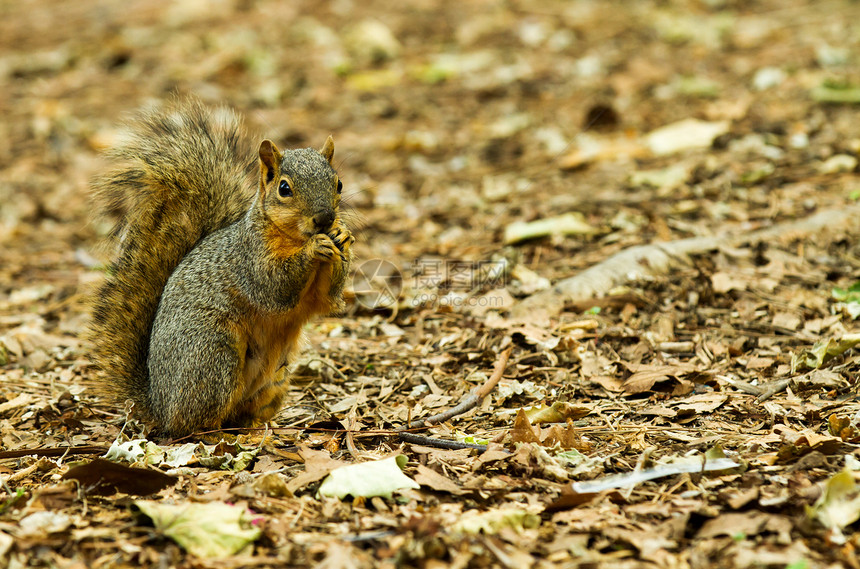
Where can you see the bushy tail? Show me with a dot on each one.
(183, 172)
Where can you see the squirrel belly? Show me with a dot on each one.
(214, 280)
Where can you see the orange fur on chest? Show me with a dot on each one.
(316, 298)
(266, 341)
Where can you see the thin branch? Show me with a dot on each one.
(468, 403)
(414, 439)
(473, 399)
(773, 388)
(742, 385)
(643, 261)
(329, 365)
(54, 451)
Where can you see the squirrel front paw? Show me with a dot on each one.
(323, 248)
(341, 236)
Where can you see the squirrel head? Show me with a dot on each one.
(299, 189)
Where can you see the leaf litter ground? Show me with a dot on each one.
(611, 127)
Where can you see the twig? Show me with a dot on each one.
(655, 259)
(677, 347)
(742, 385)
(470, 401)
(329, 365)
(368, 536)
(56, 451)
(21, 474)
(773, 388)
(352, 418)
(414, 439)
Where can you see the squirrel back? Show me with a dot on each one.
(184, 172)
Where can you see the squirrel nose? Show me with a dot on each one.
(323, 221)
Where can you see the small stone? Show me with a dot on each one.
(371, 41)
(533, 32)
(526, 282)
(496, 188)
(838, 163)
(688, 133)
(389, 194)
(420, 141)
(589, 66)
(664, 179)
(509, 125)
(799, 140)
(768, 77)
(552, 139)
(829, 56)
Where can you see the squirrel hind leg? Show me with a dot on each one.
(263, 405)
(199, 393)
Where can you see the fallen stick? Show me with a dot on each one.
(643, 261)
(468, 403)
(414, 439)
(53, 451)
(471, 400)
(773, 388)
(741, 385)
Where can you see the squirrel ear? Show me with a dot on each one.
(328, 149)
(270, 160)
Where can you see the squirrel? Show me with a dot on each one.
(214, 278)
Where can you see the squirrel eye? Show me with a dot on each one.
(339, 186)
(284, 189)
